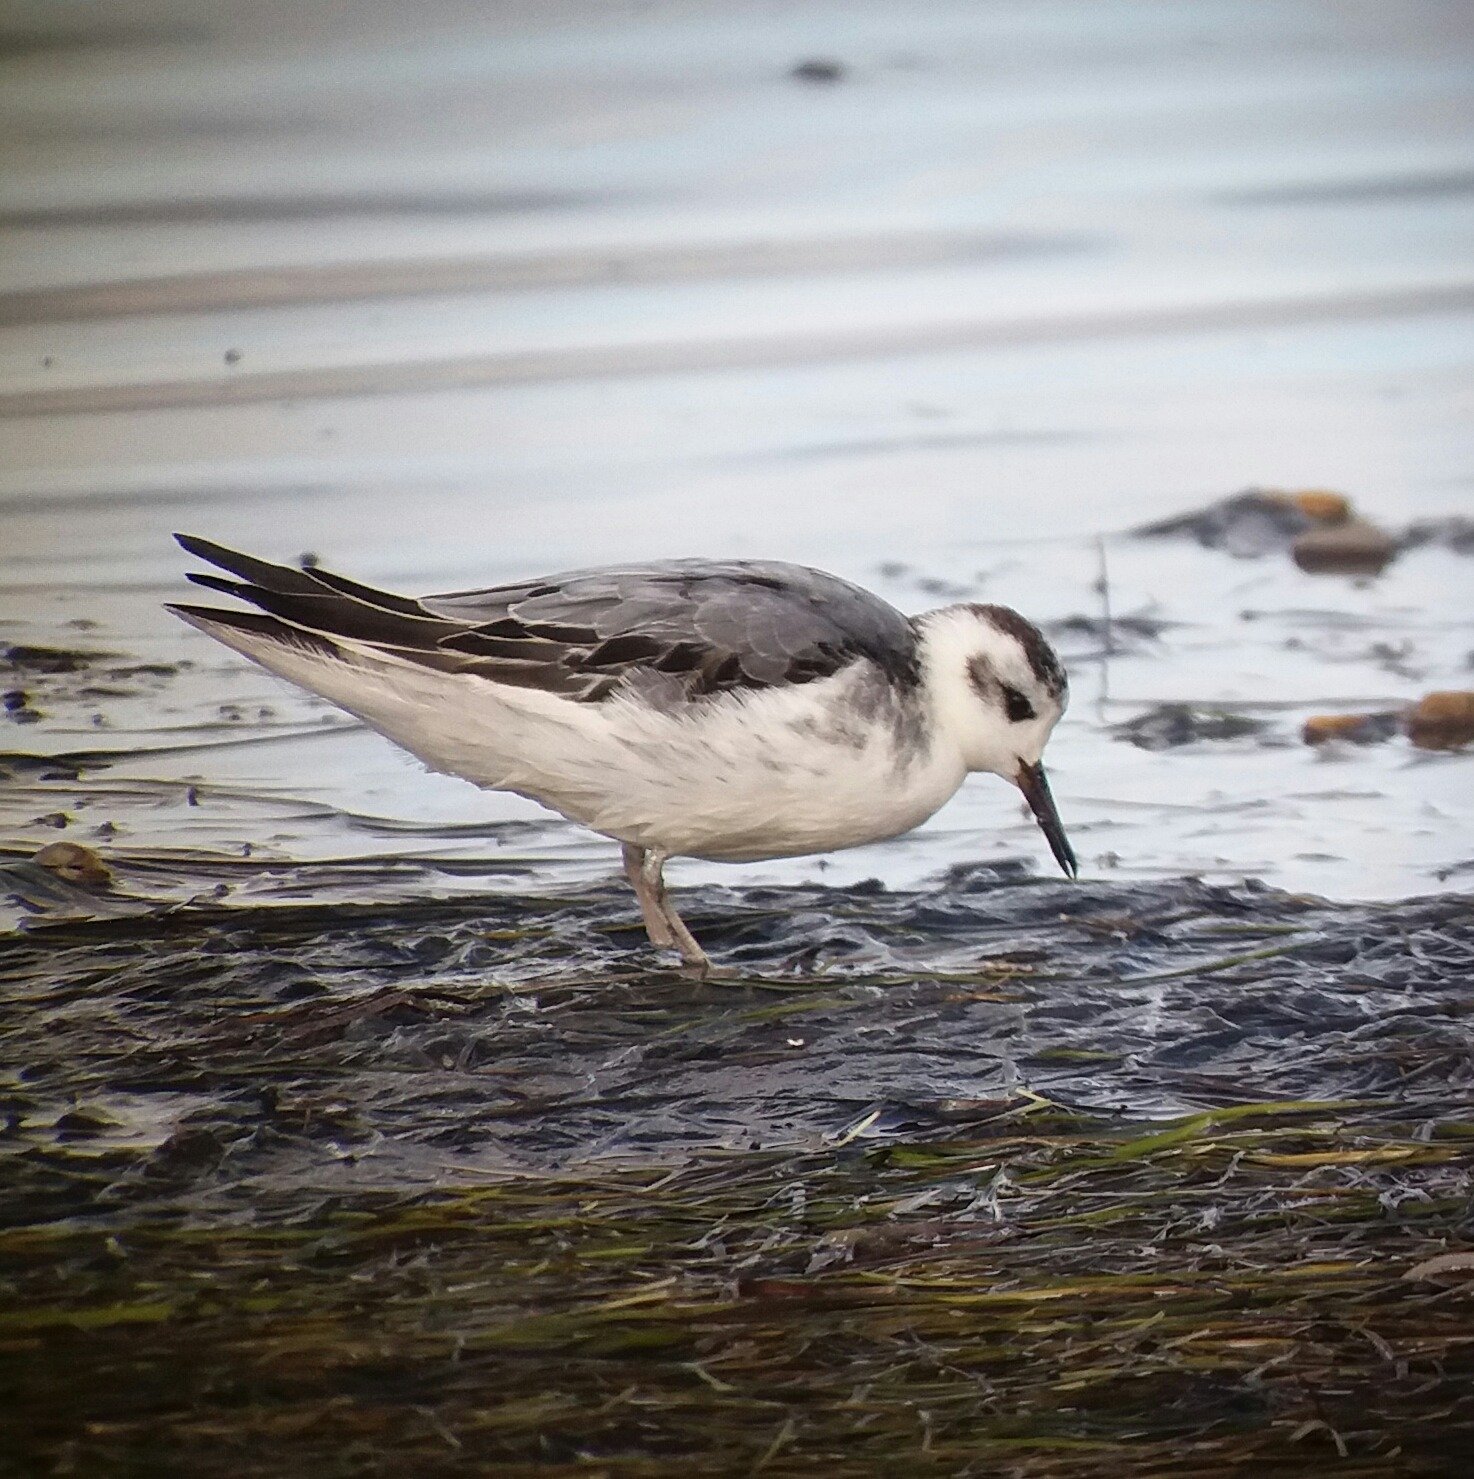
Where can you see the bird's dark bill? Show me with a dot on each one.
(1035, 785)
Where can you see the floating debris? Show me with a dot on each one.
(1320, 529)
(1257, 521)
(1438, 721)
(1169, 725)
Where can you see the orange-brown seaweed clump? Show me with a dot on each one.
(1319, 504)
(1442, 721)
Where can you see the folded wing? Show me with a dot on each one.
(702, 627)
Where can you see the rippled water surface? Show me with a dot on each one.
(480, 295)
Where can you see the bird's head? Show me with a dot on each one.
(997, 690)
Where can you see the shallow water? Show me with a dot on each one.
(1019, 279)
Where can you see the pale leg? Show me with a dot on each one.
(682, 938)
(655, 922)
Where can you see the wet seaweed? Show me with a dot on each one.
(1007, 1177)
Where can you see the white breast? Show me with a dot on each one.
(774, 773)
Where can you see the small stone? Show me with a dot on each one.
(1353, 547)
(232, 356)
(1442, 721)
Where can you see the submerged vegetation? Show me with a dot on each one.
(993, 1186)
(1038, 1294)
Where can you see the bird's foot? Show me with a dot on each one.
(695, 968)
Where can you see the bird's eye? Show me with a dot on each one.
(1016, 705)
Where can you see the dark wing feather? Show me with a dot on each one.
(709, 626)
(721, 624)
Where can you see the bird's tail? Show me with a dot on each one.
(311, 609)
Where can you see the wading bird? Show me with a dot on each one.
(724, 709)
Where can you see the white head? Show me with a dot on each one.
(997, 690)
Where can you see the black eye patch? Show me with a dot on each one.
(1016, 705)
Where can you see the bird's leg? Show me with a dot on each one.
(655, 922)
(695, 957)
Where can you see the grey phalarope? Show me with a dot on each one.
(724, 709)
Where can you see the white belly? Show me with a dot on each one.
(775, 773)
(772, 773)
